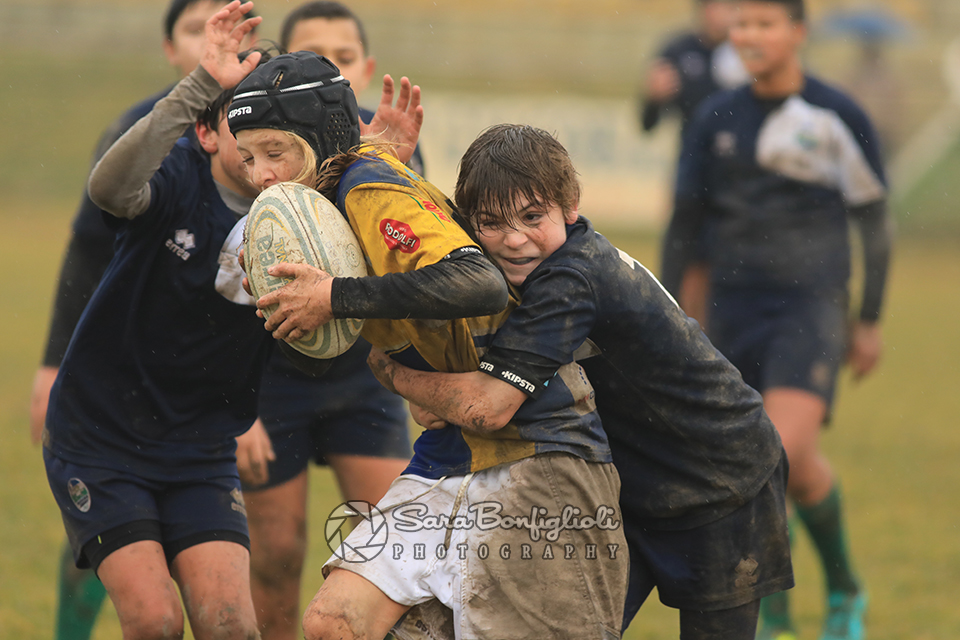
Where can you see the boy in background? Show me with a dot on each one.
(690, 68)
(778, 169)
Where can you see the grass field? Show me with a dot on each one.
(895, 442)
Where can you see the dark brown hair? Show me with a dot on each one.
(795, 8)
(511, 160)
(326, 9)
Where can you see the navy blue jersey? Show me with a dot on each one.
(703, 70)
(162, 372)
(689, 438)
(775, 181)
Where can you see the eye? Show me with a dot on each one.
(532, 218)
(488, 226)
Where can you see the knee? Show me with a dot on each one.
(154, 621)
(322, 625)
(279, 558)
(226, 623)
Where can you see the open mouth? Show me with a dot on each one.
(519, 262)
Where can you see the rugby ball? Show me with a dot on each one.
(290, 222)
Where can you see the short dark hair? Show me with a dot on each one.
(176, 9)
(795, 8)
(211, 116)
(326, 9)
(511, 160)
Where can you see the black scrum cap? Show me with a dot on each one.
(302, 93)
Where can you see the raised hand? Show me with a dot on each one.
(223, 33)
(400, 123)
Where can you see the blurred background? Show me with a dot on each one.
(69, 67)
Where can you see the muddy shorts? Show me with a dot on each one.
(529, 549)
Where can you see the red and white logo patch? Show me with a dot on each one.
(399, 235)
(435, 210)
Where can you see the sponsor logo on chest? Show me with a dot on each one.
(181, 243)
(399, 235)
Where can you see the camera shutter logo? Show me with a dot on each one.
(79, 494)
(370, 536)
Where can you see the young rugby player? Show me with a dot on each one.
(702, 467)
(162, 371)
(88, 253)
(552, 456)
(690, 68)
(777, 170)
(345, 418)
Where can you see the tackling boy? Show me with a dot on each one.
(702, 467)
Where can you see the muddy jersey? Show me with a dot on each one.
(403, 223)
(689, 438)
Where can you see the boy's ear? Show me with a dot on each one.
(571, 216)
(370, 68)
(801, 31)
(169, 52)
(208, 138)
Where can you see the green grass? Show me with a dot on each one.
(929, 208)
(894, 443)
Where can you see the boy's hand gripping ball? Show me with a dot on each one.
(290, 222)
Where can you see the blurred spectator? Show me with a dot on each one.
(693, 65)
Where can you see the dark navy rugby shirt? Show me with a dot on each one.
(702, 70)
(689, 438)
(162, 372)
(774, 180)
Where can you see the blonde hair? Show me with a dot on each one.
(308, 174)
(326, 177)
(333, 168)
